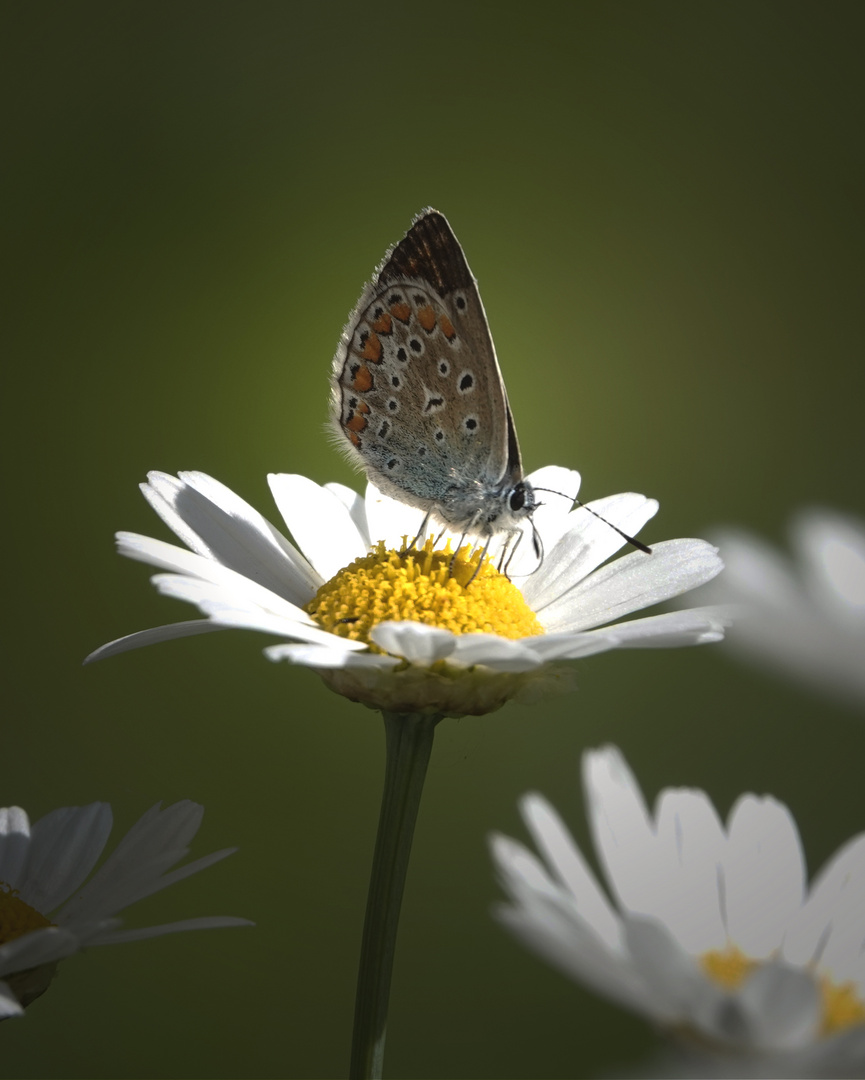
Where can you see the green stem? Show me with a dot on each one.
(409, 740)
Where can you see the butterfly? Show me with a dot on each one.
(417, 396)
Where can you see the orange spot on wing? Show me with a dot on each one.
(372, 349)
(363, 407)
(362, 381)
(357, 422)
(383, 324)
(401, 311)
(447, 327)
(426, 317)
(354, 439)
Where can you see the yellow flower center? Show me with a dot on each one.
(842, 1005)
(727, 966)
(17, 917)
(462, 593)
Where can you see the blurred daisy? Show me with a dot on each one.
(805, 616)
(423, 630)
(47, 913)
(712, 932)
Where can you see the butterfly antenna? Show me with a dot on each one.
(632, 540)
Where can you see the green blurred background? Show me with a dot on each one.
(663, 204)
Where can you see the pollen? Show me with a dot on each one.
(843, 1006)
(463, 593)
(16, 916)
(729, 966)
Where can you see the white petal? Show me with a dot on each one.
(244, 595)
(754, 569)
(520, 872)
(293, 588)
(495, 652)
(254, 619)
(764, 874)
(14, 844)
(569, 646)
(151, 637)
(64, 847)
(585, 545)
(831, 547)
(9, 1005)
(130, 878)
(213, 521)
(673, 629)
(418, 643)
(621, 828)
(138, 865)
(550, 518)
(318, 656)
(544, 919)
(38, 947)
(667, 869)
(319, 521)
(563, 486)
(355, 503)
(783, 1005)
(389, 520)
(557, 845)
(161, 490)
(634, 582)
(690, 846)
(843, 948)
(832, 891)
(676, 987)
(205, 922)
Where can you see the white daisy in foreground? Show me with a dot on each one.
(419, 631)
(806, 616)
(46, 914)
(712, 932)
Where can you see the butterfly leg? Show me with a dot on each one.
(480, 561)
(504, 553)
(456, 552)
(421, 532)
(513, 551)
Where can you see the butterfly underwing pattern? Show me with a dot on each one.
(417, 397)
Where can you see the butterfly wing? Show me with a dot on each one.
(417, 394)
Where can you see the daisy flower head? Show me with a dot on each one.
(804, 616)
(48, 910)
(709, 931)
(404, 624)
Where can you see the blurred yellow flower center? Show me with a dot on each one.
(461, 593)
(16, 917)
(727, 966)
(842, 1005)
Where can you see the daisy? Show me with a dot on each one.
(712, 932)
(421, 630)
(804, 616)
(47, 912)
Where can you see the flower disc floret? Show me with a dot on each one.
(461, 592)
(842, 1006)
(16, 916)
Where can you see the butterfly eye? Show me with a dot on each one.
(518, 498)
